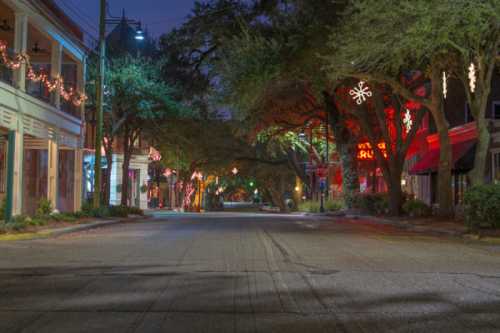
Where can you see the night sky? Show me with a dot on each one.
(158, 16)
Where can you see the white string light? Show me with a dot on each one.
(445, 85)
(408, 121)
(56, 84)
(360, 93)
(472, 77)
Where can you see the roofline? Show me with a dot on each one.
(57, 16)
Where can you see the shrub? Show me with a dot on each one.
(417, 208)
(334, 205)
(482, 206)
(135, 211)
(373, 203)
(309, 206)
(87, 207)
(118, 211)
(17, 223)
(80, 214)
(63, 217)
(44, 207)
(2, 209)
(102, 211)
(37, 221)
(315, 206)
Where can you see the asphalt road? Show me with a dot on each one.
(248, 273)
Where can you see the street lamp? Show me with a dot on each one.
(139, 34)
(100, 94)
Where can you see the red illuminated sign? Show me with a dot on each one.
(366, 153)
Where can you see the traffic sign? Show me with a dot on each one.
(322, 184)
(322, 171)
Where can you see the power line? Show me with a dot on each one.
(166, 20)
(83, 13)
(81, 19)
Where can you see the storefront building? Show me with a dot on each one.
(421, 175)
(42, 73)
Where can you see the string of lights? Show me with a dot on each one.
(55, 84)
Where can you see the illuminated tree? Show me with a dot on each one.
(379, 55)
(137, 98)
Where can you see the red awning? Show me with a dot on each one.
(430, 160)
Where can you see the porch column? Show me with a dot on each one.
(52, 174)
(78, 179)
(80, 86)
(20, 46)
(12, 191)
(55, 70)
(81, 70)
(15, 155)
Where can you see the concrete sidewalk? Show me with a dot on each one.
(438, 228)
(425, 226)
(55, 232)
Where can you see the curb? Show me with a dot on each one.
(412, 227)
(54, 233)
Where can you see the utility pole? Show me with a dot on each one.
(327, 154)
(99, 105)
(324, 183)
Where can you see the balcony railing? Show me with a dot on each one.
(38, 89)
(7, 74)
(70, 108)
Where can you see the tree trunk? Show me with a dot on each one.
(108, 150)
(107, 180)
(125, 167)
(346, 144)
(445, 194)
(278, 199)
(395, 194)
(294, 162)
(477, 175)
(350, 177)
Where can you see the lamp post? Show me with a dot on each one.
(100, 95)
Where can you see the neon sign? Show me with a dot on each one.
(366, 153)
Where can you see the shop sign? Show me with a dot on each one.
(366, 153)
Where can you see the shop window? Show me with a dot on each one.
(496, 110)
(35, 168)
(496, 167)
(3, 166)
(66, 183)
(468, 114)
(460, 186)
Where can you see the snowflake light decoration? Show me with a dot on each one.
(472, 77)
(445, 85)
(407, 121)
(360, 93)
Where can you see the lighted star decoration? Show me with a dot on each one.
(472, 77)
(360, 93)
(408, 121)
(445, 85)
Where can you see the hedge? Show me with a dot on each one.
(482, 206)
